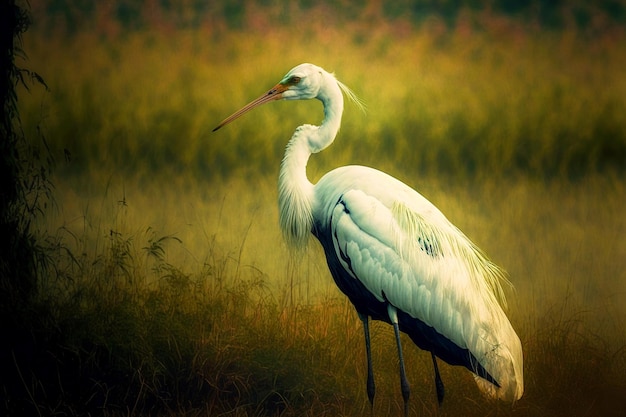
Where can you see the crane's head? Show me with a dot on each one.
(305, 81)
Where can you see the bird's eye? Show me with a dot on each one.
(294, 80)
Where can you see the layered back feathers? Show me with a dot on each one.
(490, 336)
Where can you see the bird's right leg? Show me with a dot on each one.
(371, 387)
(438, 381)
(404, 383)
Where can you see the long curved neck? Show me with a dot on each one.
(295, 191)
(332, 99)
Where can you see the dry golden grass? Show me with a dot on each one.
(561, 244)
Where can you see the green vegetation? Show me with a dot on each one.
(171, 291)
(460, 105)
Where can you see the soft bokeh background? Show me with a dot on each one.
(173, 292)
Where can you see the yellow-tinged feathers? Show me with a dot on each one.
(444, 239)
(350, 94)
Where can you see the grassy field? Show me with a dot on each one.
(199, 296)
(545, 104)
(172, 292)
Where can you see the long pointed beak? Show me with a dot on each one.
(275, 93)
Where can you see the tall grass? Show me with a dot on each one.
(473, 105)
(209, 323)
(173, 292)
(141, 330)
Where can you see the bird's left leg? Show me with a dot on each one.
(404, 384)
(438, 381)
(371, 387)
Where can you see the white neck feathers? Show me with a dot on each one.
(295, 191)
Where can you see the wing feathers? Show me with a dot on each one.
(438, 237)
(412, 256)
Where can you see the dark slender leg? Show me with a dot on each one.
(438, 381)
(404, 384)
(371, 387)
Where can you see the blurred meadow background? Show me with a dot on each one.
(169, 290)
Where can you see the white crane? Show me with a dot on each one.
(393, 253)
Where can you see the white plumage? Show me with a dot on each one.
(393, 253)
(405, 252)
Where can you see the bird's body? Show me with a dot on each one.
(389, 245)
(393, 253)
